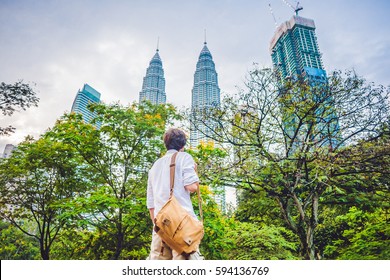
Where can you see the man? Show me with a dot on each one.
(186, 181)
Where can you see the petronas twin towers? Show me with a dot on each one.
(153, 87)
(205, 92)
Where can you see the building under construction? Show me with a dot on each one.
(294, 50)
(295, 53)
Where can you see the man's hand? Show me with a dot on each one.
(192, 188)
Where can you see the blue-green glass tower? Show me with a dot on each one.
(295, 52)
(205, 94)
(84, 97)
(153, 86)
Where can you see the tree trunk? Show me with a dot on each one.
(310, 254)
(44, 252)
(306, 238)
(306, 233)
(120, 237)
(304, 227)
(119, 245)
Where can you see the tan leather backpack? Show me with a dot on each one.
(176, 227)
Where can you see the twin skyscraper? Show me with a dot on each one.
(205, 91)
(205, 94)
(294, 51)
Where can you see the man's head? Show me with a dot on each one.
(174, 138)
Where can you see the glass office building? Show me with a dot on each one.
(205, 94)
(295, 53)
(294, 50)
(84, 97)
(153, 86)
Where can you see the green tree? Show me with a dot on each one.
(358, 235)
(34, 180)
(78, 243)
(227, 238)
(252, 242)
(119, 154)
(283, 138)
(13, 97)
(354, 220)
(215, 244)
(255, 207)
(15, 245)
(360, 174)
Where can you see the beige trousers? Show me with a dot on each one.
(161, 251)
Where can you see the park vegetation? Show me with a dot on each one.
(310, 163)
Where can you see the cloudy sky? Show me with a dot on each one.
(60, 45)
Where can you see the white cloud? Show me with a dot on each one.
(60, 45)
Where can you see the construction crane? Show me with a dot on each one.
(272, 13)
(296, 9)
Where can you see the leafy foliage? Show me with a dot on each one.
(359, 235)
(310, 165)
(39, 175)
(291, 141)
(215, 243)
(13, 97)
(256, 207)
(14, 245)
(267, 242)
(118, 148)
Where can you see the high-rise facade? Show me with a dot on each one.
(205, 95)
(84, 97)
(153, 86)
(8, 150)
(295, 52)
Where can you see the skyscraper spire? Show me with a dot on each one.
(205, 38)
(158, 41)
(153, 87)
(205, 95)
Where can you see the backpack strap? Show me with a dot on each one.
(172, 173)
(200, 203)
(172, 167)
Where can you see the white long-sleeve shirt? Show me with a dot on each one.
(159, 181)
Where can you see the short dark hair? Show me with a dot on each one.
(174, 138)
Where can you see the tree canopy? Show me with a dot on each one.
(13, 97)
(299, 140)
(309, 162)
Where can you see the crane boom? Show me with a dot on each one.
(296, 9)
(272, 13)
(288, 4)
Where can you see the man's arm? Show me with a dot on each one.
(192, 187)
(151, 212)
